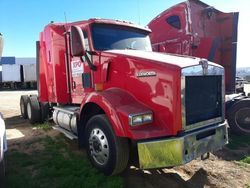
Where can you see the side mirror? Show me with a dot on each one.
(77, 41)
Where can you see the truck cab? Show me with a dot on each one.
(103, 85)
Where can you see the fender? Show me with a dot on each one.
(117, 105)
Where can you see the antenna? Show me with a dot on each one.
(139, 12)
(65, 17)
(65, 25)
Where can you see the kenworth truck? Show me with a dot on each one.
(196, 29)
(103, 85)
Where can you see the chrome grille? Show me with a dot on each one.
(202, 96)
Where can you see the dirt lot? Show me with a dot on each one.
(220, 170)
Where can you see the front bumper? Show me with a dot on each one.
(181, 150)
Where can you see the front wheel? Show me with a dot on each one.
(107, 152)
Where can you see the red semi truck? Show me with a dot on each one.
(194, 28)
(103, 85)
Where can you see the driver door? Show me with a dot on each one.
(80, 75)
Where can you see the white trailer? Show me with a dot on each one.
(11, 73)
(25, 60)
(18, 73)
(29, 73)
(29, 68)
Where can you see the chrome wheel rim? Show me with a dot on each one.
(98, 146)
(29, 110)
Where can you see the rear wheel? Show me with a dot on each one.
(44, 111)
(23, 106)
(33, 110)
(239, 117)
(107, 152)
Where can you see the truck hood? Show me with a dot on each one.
(175, 60)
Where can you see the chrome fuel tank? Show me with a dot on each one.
(66, 118)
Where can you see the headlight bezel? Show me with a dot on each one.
(140, 118)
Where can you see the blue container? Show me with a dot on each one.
(8, 60)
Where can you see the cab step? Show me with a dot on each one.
(68, 134)
(69, 109)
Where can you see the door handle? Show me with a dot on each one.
(74, 84)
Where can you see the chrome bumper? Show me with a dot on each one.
(181, 150)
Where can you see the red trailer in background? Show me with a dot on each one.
(196, 29)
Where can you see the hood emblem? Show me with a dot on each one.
(204, 65)
(146, 74)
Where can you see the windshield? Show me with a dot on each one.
(107, 37)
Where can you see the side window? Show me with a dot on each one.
(174, 21)
(86, 41)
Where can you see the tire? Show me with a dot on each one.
(239, 117)
(107, 152)
(44, 111)
(33, 110)
(23, 106)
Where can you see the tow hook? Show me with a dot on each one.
(205, 156)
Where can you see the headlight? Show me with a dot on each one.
(139, 119)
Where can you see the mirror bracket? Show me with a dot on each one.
(91, 65)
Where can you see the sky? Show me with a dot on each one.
(21, 21)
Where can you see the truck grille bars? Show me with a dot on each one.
(202, 96)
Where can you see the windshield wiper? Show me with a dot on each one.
(129, 48)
